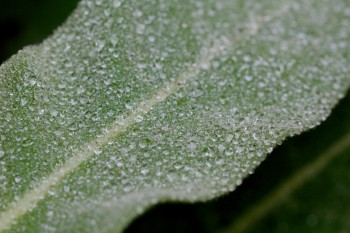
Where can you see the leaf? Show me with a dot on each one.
(132, 103)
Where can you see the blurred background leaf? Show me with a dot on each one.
(319, 205)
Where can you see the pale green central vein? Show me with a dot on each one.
(276, 197)
(30, 199)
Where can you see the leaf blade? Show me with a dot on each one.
(86, 160)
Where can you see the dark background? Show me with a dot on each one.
(24, 22)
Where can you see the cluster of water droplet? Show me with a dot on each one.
(163, 100)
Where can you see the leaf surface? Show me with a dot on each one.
(131, 103)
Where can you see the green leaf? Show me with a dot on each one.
(131, 103)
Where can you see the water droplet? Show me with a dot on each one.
(137, 13)
(205, 66)
(248, 78)
(229, 152)
(24, 101)
(139, 119)
(221, 148)
(151, 39)
(8, 117)
(142, 145)
(144, 171)
(97, 152)
(127, 188)
(99, 45)
(229, 137)
(336, 86)
(192, 146)
(80, 90)
(53, 113)
(219, 161)
(18, 179)
(116, 3)
(114, 40)
(49, 214)
(177, 166)
(140, 28)
(196, 93)
(128, 106)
